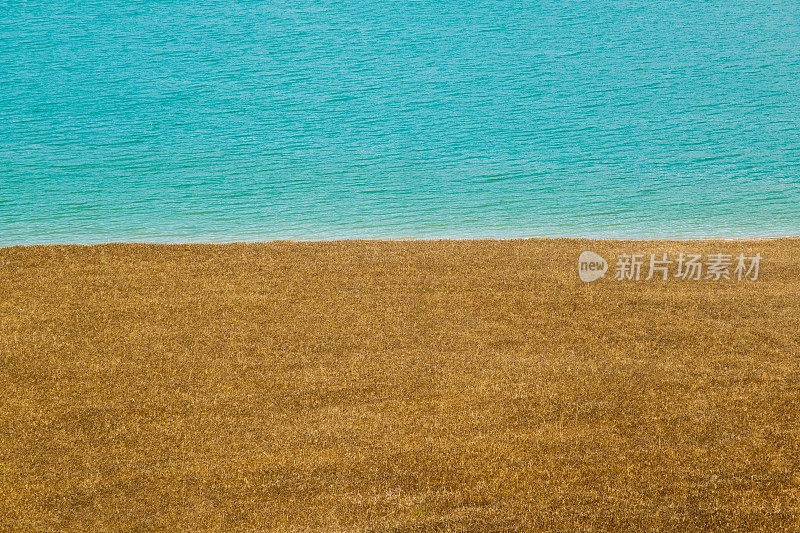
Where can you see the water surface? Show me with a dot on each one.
(174, 121)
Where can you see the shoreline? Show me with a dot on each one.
(420, 240)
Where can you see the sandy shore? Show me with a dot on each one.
(456, 385)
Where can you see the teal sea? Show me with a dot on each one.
(175, 121)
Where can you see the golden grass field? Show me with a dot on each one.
(395, 386)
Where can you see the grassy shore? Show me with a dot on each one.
(450, 385)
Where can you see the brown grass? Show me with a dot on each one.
(451, 385)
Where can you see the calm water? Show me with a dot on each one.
(167, 120)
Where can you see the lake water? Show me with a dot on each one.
(175, 121)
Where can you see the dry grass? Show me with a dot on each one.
(453, 385)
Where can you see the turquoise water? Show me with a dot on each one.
(172, 121)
